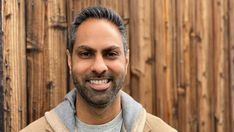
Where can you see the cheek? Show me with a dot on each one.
(118, 67)
(80, 67)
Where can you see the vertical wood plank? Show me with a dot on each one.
(46, 46)
(141, 59)
(181, 52)
(204, 45)
(69, 12)
(1, 74)
(165, 60)
(192, 99)
(57, 39)
(14, 65)
(191, 73)
(125, 4)
(221, 67)
(120, 6)
(36, 29)
(187, 121)
(231, 61)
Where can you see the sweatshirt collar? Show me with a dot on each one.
(132, 111)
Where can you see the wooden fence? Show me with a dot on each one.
(181, 63)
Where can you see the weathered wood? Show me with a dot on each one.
(56, 47)
(181, 59)
(126, 9)
(204, 45)
(185, 57)
(192, 99)
(36, 29)
(1, 75)
(221, 67)
(231, 61)
(46, 46)
(14, 65)
(141, 47)
(165, 60)
(69, 12)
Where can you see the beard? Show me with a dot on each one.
(95, 98)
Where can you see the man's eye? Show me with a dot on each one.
(85, 54)
(111, 55)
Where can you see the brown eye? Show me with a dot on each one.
(112, 55)
(85, 54)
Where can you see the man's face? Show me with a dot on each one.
(98, 62)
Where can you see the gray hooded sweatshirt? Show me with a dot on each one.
(63, 117)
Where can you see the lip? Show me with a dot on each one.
(100, 86)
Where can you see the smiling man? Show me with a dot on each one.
(98, 58)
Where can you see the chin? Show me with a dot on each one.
(99, 99)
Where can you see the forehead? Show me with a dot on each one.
(98, 32)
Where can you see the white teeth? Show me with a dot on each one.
(98, 81)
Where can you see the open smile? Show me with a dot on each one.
(99, 84)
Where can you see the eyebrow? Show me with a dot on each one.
(84, 47)
(87, 48)
(111, 48)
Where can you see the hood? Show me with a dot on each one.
(133, 113)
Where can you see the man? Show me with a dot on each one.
(98, 57)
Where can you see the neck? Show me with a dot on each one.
(97, 116)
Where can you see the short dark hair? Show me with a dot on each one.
(97, 12)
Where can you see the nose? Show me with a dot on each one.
(99, 65)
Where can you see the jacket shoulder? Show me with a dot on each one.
(157, 125)
(40, 125)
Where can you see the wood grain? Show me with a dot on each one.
(14, 58)
(181, 59)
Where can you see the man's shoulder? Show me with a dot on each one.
(156, 124)
(39, 125)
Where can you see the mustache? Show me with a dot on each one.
(99, 75)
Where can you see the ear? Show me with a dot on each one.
(69, 61)
(127, 59)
